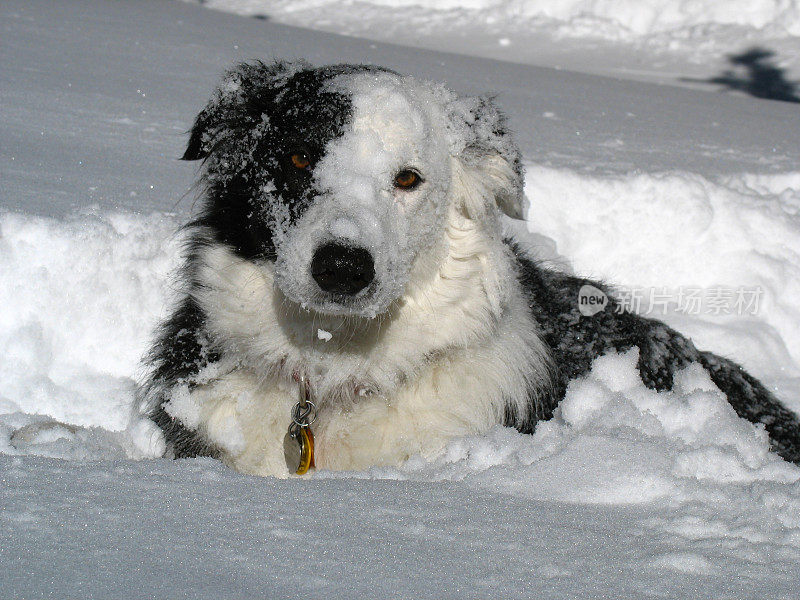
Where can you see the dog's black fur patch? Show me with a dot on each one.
(179, 354)
(576, 340)
(255, 121)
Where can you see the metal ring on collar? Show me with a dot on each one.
(299, 418)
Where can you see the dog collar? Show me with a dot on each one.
(298, 443)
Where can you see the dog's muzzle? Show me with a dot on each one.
(340, 269)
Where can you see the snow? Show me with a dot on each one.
(651, 39)
(79, 298)
(627, 493)
(195, 529)
(625, 18)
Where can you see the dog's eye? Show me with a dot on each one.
(407, 179)
(300, 160)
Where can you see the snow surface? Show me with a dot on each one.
(627, 493)
(621, 19)
(652, 39)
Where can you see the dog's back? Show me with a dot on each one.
(576, 339)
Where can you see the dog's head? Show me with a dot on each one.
(344, 177)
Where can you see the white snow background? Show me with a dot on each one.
(627, 493)
(641, 39)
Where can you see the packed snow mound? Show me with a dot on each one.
(80, 300)
(619, 20)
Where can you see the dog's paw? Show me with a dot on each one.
(41, 433)
(55, 439)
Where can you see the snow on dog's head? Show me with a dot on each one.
(338, 182)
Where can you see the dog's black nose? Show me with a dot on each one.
(342, 269)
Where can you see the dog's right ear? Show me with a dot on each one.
(229, 110)
(489, 161)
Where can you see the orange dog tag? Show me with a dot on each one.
(298, 450)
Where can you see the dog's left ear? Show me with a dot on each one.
(488, 160)
(237, 102)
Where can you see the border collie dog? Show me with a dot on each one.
(350, 238)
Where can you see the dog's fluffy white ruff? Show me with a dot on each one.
(443, 362)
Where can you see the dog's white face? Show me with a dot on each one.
(384, 188)
(337, 182)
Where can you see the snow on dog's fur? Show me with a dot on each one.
(351, 234)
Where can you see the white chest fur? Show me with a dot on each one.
(445, 362)
(247, 419)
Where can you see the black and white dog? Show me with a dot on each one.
(351, 235)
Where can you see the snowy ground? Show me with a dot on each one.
(656, 40)
(663, 190)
